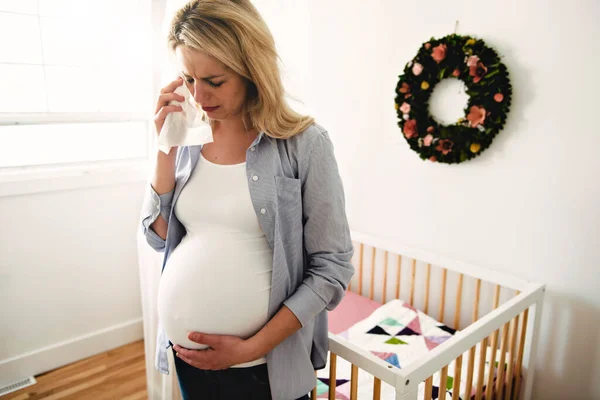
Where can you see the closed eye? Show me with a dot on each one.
(214, 85)
(210, 83)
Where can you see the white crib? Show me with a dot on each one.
(504, 316)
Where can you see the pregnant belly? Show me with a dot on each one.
(215, 286)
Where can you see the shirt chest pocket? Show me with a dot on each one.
(289, 209)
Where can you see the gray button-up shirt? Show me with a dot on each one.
(298, 198)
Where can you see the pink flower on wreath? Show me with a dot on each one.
(433, 158)
(439, 53)
(417, 69)
(427, 140)
(405, 90)
(410, 129)
(405, 108)
(476, 68)
(476, 116)
(444, 146)
(427, 46)
(456, 73)
(430, 129)
(472, 61)
(499, 97)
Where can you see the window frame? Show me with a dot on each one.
(32, 179)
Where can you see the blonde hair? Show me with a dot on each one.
(234, 33)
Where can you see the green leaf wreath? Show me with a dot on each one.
(486, 78)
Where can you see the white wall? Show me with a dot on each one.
(69, 282)
(529, 204)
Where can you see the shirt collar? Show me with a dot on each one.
(258, 139)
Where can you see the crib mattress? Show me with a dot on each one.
(399, 334)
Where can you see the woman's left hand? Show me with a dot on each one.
(223, 352)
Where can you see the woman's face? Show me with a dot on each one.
(220, 91)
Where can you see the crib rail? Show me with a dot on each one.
(499, 329)
(368, 247)
(506, 384)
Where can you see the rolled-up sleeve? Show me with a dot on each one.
(326, 236)
(153, 206)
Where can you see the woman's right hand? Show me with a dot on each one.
(162, 105)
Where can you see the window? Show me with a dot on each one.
(75, 81)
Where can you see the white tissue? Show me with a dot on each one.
(186, 127)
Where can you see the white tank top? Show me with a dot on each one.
(218, 279)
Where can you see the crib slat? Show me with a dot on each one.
(520, 353)
(427, 278)
(501, 363)
(412, 282)
(497, 296)
(385, 272)
(458, 302)
(360, 268)
(511, 357)
(354, 383)
(457, 374)
(489, 386)
(353, 261)
(429, 388)
(398, 273)
(481, 370)
(476, 302)
(332, 375)
(472, 350)
(372, 288)
(377, 389)
(495, 304)
(470, 368)
(443, 299)
(443, 381)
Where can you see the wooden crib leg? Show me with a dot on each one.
(428, 388)
(511, 358)
(354, 383)
(481, 370)
(470, 368)
(520, 353)
(313, 394)
(501, 362)
(457, 376)
(443, 381)
(332, 375)
(377, 389)
(489, 387)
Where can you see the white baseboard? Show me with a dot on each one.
(72, 350)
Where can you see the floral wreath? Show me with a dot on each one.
(488, 86)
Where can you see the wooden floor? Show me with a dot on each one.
(117, 374)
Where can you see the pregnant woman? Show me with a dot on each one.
(253, 228)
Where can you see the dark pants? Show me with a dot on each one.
(250, 383)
